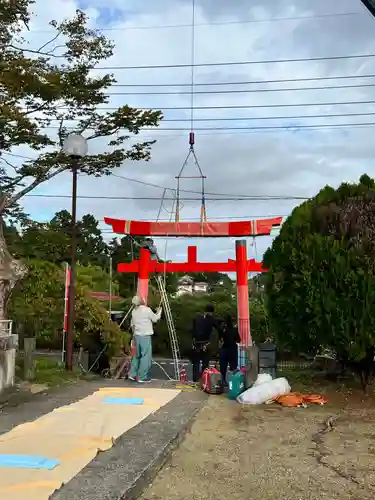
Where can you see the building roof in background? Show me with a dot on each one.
(105, 296)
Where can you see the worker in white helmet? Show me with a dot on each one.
(142, 321)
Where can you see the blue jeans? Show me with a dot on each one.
(141, 363)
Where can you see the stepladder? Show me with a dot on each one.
(171, 326)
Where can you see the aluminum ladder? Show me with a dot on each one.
(170, 324)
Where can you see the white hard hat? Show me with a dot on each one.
(136, 300)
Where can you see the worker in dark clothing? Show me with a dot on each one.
(149, 244)
(203, 325)
(229, 338)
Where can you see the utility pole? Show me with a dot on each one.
(73, 269)
(75, 146)
(110, 286)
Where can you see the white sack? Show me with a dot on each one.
(264, 392)
(262, 379)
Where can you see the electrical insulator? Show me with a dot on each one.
(191, 139)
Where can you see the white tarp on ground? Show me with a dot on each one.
(73, 435)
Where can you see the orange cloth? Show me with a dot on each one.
(293, 399)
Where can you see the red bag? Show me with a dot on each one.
(211, 381)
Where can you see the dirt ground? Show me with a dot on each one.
(268, 452)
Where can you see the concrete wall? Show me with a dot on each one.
(8, 349)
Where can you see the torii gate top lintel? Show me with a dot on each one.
(246, 228)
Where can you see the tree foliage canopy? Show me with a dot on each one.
(37, 307)
(51, 240)
(53, 86)
(320, 289)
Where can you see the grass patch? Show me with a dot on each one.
(50, 372)
(53, 373)
(308, 380)
(297, 378)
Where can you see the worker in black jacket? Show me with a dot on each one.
(203, 324)
(229, 338)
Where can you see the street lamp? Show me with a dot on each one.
(75, 146)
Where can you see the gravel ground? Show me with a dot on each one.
(269, 452)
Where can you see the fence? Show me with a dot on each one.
(294, 365)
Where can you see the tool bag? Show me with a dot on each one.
(211, 381)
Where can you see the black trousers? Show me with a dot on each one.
(228, 356)
(200, 358)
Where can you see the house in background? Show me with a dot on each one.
(187, 286)
(201, 287)
(105, 297)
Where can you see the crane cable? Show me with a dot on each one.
(202, 177)
(166, 238)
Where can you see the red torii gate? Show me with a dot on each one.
(241, 265)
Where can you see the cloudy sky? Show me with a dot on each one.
(287, 159)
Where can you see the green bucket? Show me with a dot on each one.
(236, 384)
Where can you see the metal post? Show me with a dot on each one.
(110, 287)
(73, 268)
(66, 302)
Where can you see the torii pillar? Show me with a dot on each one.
(143, 273)
(243, 314)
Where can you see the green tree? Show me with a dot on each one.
(38, 91)
(40, 242)
(96, 279)
(320, 288)
(54, 86)
(123, 250)
(37, 308)
(91, 247)
(186, 307)
(51, 241)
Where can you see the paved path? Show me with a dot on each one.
(124, 468)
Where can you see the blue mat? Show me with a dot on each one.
(123, 401)
(28, 462)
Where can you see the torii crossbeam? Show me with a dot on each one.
(190, 266)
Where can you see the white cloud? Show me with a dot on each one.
(271, 162)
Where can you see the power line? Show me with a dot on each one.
(157, 198)
(271, 127)
(241, 106)
(138, 181)
(244, 82)
(214, 131)
(232, 130)
(247, 91)
(144, 183)
(221, 217)
(237, 63)
(222, 23)
(197, 219)
(252, 118)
